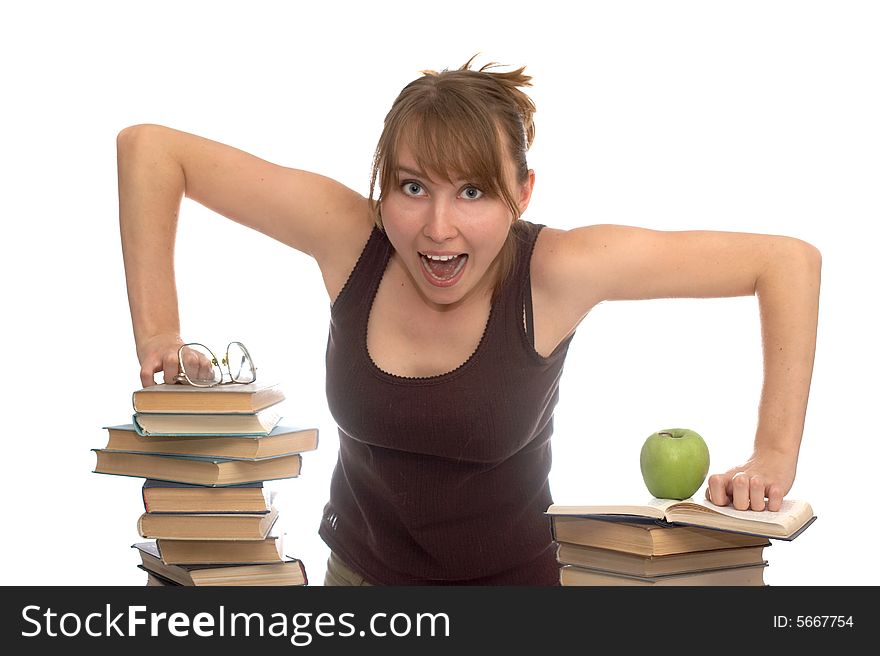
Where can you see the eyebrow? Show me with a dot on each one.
(415, 172)
(422, 174)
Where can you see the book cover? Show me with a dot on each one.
(279, 441)
(154, 580)
(785, 524)
(174, 497)
(230, 398)
(207, 526)
(258, 423)
(289, 572)
(744, 575)
(222, 552)
(639, 565)
(645, 536)
(196, 469)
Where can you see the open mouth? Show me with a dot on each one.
(443, 268)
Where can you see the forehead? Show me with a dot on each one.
(453, 158)
(408, 162)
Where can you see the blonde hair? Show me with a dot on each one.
(463, 122)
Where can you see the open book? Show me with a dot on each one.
(784, 524)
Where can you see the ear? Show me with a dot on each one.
(525, 192)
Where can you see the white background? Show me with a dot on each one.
(748, 116)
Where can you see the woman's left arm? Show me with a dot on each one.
(588, 265)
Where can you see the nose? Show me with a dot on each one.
(440, 222)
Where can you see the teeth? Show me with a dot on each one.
(460, 261)
(441, 258)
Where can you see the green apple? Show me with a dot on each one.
(674, 463)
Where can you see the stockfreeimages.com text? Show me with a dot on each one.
(300, 628)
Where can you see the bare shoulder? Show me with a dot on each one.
(578, 268)
(558, 265)
(338, 256)
(558, 305)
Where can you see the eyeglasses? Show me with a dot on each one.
(199, 366)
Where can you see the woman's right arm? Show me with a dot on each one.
(158, 166)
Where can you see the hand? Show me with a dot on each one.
(766, 475)
(198, 365)
(159, 353)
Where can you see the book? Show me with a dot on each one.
(156, 581)
(197, 469)
(258, 423)
(288, 572)
(222, 552)
(748, 575)
(636, 565)
(205, 526)
(784, 524)
(645, 536)
(280, 441)
(168, 496)
(235, 397)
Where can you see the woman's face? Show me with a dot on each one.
(447, 235)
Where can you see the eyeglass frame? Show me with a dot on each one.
(184, 379)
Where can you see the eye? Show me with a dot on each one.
(411, 188)
(472, 193)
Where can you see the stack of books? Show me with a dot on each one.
(205, 454)
(668, 542)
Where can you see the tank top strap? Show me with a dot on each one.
(364, 278)
(516, 296)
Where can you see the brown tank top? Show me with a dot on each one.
(444, 479)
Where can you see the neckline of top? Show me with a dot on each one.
(396, 378)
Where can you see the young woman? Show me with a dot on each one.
(451, 318)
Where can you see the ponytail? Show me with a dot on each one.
(510, 82)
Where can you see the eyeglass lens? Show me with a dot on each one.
(200, 365)
(241, 368)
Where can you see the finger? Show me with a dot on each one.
(740, 484)
(716, 491)
(147, 379)
(192, 362)
(190, 358)
(171, 367)
(756, 492)
(775, 498)
(206, 369)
